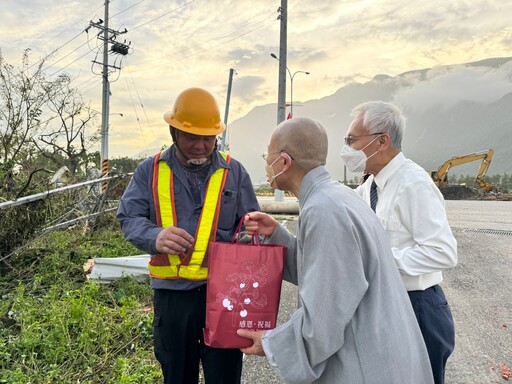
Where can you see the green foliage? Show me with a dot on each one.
(58, 327)
(19, 223)
(266, 190)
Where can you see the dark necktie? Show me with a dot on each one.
(373, 196)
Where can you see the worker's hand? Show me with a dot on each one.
(259, 223)
(256, 348)
(173, 240)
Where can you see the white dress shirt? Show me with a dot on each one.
(411, 208)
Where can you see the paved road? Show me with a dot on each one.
(479, 291)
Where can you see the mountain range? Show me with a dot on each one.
(451, 111)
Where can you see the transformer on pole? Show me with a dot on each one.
(109, 38)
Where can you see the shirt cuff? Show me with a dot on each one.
(268, 353)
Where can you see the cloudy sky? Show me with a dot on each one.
(184, 43)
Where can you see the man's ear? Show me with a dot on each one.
(287, 160)
(384, 141)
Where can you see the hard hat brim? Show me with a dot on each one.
(190, 128)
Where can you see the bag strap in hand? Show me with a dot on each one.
(255, 239)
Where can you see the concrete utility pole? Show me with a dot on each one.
(109, 37)
(105, 100)
(281, 99)
(283, 48)
(226, 112)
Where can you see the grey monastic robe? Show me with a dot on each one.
(354, 323)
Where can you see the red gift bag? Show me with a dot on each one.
(243, 290)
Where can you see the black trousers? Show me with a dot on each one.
(436, 324)
(179, 346)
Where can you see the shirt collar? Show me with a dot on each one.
(385, 173)
(311, 181)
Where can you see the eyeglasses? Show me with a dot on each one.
(350, 139)
(266, 155)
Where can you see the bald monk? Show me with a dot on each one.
(354, 322)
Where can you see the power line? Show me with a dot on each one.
(165, 14)
(67, 42)
(72, 25)
(73, 51)
(209, 49)
(73, 38)
(137, 116)
(130, 7)
(55, 50)
(140, 101)
(74, 61)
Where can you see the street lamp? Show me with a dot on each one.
(291, 82)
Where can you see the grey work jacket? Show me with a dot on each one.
(137, 214)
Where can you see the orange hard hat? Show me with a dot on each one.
(195, 111)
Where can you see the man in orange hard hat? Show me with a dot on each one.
(176, 202)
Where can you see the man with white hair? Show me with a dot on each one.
(411, 209)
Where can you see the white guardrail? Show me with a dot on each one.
(43, 195)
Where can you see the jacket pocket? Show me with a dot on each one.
(228, 205)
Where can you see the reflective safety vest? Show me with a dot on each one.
(191, 266)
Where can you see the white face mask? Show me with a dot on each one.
(271, 176)
(355, 159)
(197, 161)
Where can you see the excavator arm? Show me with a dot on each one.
(440, 176)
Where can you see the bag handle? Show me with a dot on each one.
(255, 239)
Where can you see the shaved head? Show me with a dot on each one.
(303, 139)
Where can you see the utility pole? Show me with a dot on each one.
(283, 48)
(281, 98)
(226, 112)
(108, 36)
(105, 106)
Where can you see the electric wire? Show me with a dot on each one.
(86, 81)
(74, 61)
(137, 116)
(124, 10)
(221, 36)
(246, 24)
(165, 14)
(55, 50)
(208, 49)
(92, 86)
(62, 58)
(140, 101)
(67, 42)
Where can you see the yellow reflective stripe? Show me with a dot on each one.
(163, 272)
(207, 215)
(164, 195)
(166, 201)
(193, 270)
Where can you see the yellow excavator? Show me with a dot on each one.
(440, 176)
